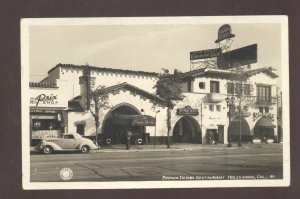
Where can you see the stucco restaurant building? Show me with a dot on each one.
(58, 105)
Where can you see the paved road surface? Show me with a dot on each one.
(251, 160)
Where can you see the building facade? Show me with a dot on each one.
(59, 104)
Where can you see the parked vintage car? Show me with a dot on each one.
(66, 142)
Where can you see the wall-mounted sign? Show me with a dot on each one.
(259, 114)
(45, 134)
(143, 120)
(188, 110)
(43, 111)
(43, 99)
(204, 54)
(224, 33)
(243, 113)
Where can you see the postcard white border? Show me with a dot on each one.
(26, 23)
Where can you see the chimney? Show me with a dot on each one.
(86, 83)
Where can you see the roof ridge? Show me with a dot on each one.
(104, 68)
(135, 87)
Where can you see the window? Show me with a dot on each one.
(214, 87)
(261, 109)
(230, 88)
(80, 129)
(201, 85)
(189, 86)
(218, 108)
(211, 107)
(45, 124)
(264, 93)
(247, 89)
(266, 109)
(238, 88)
(69, 137)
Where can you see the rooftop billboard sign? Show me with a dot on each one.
(242, 56)
(204, 54)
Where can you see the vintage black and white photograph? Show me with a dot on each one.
(155, 102)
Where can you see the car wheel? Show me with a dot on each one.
(85, 149)
(47, 150)
(108, 141)
(139, 141)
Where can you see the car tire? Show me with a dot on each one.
(47, 149)
(140, 141)
(85, 149)
(108, 141)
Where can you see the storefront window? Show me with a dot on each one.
(45, 124)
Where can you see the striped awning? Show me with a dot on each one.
(264, 122)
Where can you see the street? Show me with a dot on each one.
(252, 161)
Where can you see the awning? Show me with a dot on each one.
(264, 122)
(133, 120)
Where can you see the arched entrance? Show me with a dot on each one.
(235, 131)
(264, 129)
(187, 130)
(117, 122)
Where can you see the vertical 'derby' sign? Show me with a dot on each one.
(224, 33)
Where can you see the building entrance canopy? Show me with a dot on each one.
(133, 120)
(265, 122)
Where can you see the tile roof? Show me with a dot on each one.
(136, 89)
(104, 69)
(73, 103)
(225, 73)
(43, 84)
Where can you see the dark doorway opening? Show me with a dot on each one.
(245, 131)
(187, 130)
(118, 122)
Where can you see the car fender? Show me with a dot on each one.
(53, 145)
(90, 144)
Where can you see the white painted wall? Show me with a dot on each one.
(124, 96)
(145, 82)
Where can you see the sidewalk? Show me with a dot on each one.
(174, 147)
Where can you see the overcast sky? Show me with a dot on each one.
(141, 47)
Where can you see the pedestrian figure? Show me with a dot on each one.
(128, 136)
(215, 137)
(209, 137)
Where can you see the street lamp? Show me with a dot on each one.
(230, 105)
(155, 127)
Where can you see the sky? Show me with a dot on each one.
(147, 47)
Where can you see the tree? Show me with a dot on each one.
(98, 101)
(240, 88)
(168, 87)
(97, 98)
